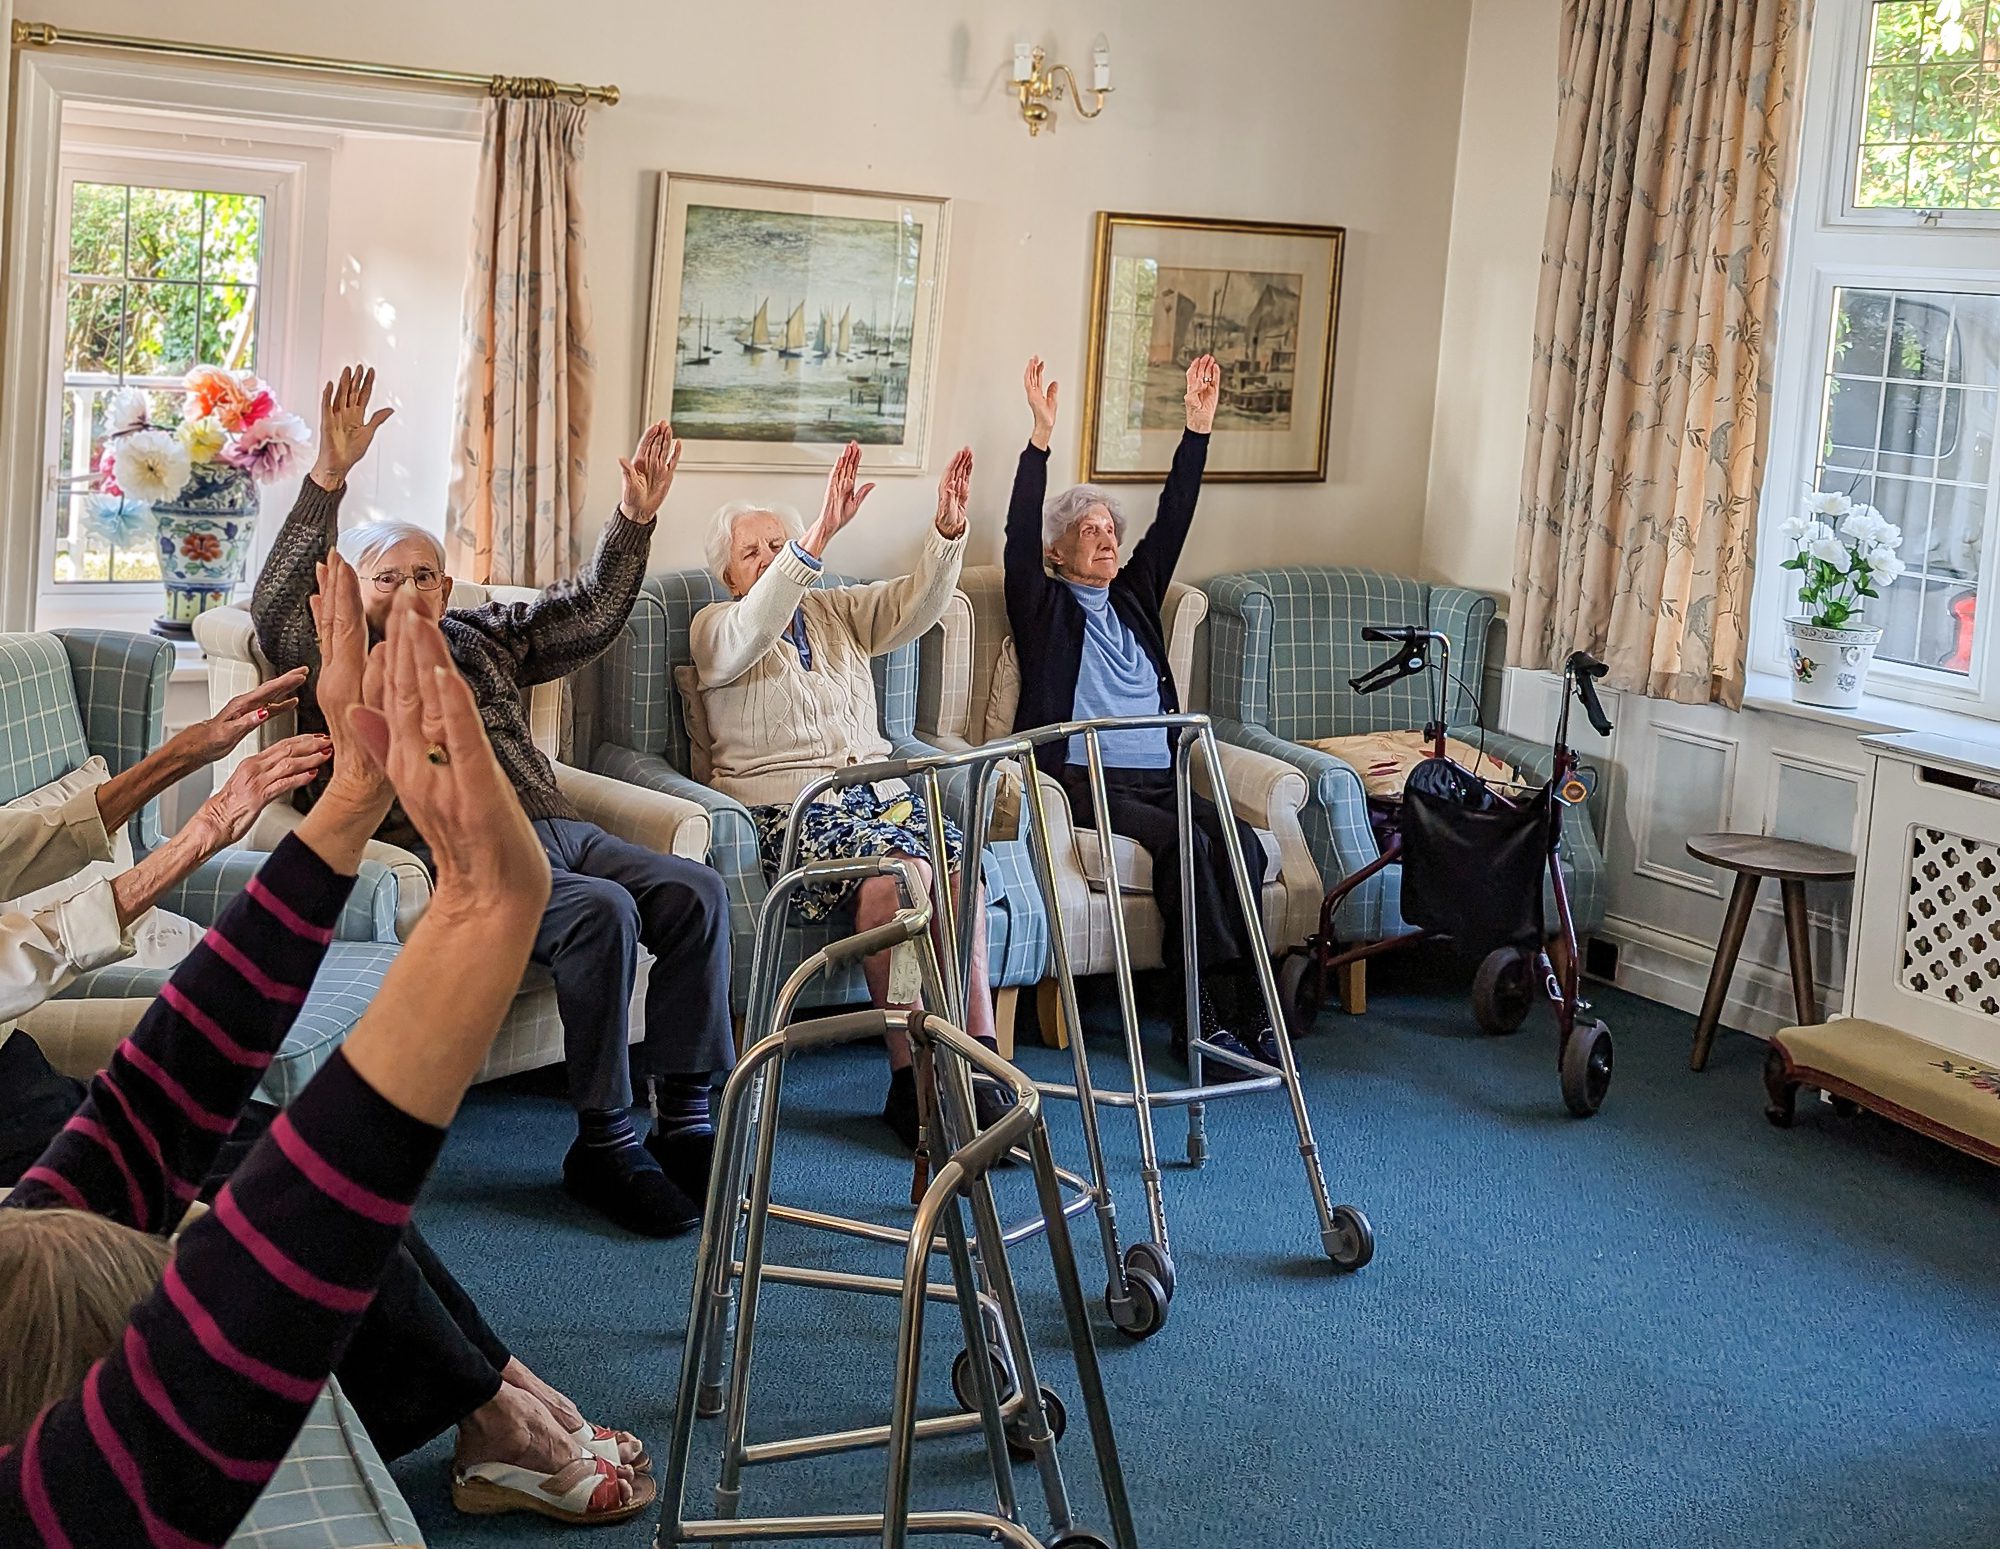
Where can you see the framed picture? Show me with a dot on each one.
(787, 321)
(1261, 297)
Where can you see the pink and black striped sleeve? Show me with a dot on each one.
(175, 1434)
(139, 1147)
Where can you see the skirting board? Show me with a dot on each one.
(1673, 970)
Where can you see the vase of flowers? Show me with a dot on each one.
(196, 481)
(1846, 556)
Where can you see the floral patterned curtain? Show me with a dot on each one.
(1650, 404)
(526, 375)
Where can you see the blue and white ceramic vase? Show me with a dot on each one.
(204, 534)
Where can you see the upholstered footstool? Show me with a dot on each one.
(1861, 1064)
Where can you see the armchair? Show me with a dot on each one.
(645, 744)
(531, 1035)
(1282, 645)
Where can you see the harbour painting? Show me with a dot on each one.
(789, 321)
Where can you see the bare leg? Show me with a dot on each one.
(875, 903)
(978, 993)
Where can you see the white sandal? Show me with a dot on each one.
(600, 1441)
(582, 1492)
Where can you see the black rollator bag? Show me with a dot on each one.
(1472, 862)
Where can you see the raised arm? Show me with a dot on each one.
(1156, 555)
(1023, 552)
(574, 622)
(888, 614)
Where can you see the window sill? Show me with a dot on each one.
(1772, 694)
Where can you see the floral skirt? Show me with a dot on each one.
(855, 821)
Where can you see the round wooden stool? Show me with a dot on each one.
(1753, 857)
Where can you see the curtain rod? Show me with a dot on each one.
(45, 35)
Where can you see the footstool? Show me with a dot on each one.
(1861, 1064)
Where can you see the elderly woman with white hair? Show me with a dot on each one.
(1092, 645)
(789, 696)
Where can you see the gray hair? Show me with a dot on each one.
(362, 546)
(1064, 511)
(722, 528)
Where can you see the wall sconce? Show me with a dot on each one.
(1038, 86)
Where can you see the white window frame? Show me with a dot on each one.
(1833, 245)
(95, 157)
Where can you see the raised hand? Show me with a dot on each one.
(1041, 402)
(259, 780)
(1204, 391)
(422, 725)
(206, 741)
(343, 667)
(649, 473)
(843, 500)
(346, 428)
(954, 490)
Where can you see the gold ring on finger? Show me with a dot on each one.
(436, 753)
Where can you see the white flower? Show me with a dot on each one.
(126, 411)
(1828, 502)
(1795, 528)
(1883, 568)
(150, 465)
(1828, 550)
(1888, 536)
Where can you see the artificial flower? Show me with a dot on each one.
(150, 465)
(1795, 528)
(1831, 551)
(107, 476)
(260, 405)
(119, 523)
(267, 450)
(1828, 502)
(1885, 572)
(126, 412)
(213, 391)
(204, 437)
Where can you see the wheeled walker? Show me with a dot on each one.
(1473, 857)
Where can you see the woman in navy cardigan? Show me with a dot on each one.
(1088, 633)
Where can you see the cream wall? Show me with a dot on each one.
(1341, 111)
(1506, 145)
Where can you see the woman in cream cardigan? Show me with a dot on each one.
(788, 694)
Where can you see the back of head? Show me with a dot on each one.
(68, 1284)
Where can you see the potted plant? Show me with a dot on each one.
(1846, 556)
(195, 483)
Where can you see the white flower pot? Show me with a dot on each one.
(1829, 666)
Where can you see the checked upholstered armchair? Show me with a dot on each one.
(1283, 644)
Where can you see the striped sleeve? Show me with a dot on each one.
(139, 1147)
(174, 1434)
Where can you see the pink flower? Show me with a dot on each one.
(261, 404)
(267, 449)
(107, 482)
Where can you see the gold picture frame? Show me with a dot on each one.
(1262, 296)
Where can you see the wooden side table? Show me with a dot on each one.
(1753, 857)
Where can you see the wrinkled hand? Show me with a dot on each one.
(843, 500)
(421, 724)
(649, 473)
(259, 780)
(1041, 402)
(1204, 391)
(346, 429)
(342, 628)
(208, 740)
(954, 491)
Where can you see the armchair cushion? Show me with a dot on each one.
(41, 724)
(694, 716)
(1005, 697)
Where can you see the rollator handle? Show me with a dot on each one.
(1411, 658)
(1585, 670)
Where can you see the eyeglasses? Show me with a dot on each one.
(423, 578)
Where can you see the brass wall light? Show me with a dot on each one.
(1039, 84)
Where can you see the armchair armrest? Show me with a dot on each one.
(1535, 760)
(412, 879)
(369, 914)
(1335, 813)
(1264, 790)
(660, 820)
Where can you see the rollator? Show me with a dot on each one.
(1148, 1265)
(995, 1377)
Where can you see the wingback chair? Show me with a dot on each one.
(1283, 644)
(531, 1035)
(66, 697)
(970, 691)
(645, 743)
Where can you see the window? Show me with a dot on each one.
(1888, 367)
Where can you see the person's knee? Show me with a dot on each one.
(602, 916)
(876, 900)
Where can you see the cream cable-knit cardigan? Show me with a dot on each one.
(772, 725)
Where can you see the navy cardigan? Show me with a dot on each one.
(1047, 621)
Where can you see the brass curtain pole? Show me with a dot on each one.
(45, 35)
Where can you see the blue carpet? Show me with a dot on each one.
(1668, 1325)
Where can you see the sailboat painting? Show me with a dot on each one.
(811, 314)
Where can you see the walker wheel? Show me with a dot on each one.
(961, 1379)
(1503, 990)
(1350, 1242)
(1019, 1448)
(1586, 1068)
(1144, 1310)
(1154, 1260)
(1299, 991)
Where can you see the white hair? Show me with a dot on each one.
(362, 546)
(1064, 511)
(722, 528)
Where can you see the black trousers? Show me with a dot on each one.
(1142, 809)
(422, 1358)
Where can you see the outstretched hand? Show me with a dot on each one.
(259, 780)
(648, 473)
(1204, 391)
(343, 668)
(843, 500)
(208, 740)
(954, 491)
(346, 429)
(1041, 402)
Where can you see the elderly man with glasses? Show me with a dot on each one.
(609, 897)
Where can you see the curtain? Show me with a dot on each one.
(1650, 403)
(526, 375)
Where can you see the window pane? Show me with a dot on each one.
(232, 245)
(1911, 409)
(1899, 29)
(1929, 120)
(160, 330)
(229, 326)
(166, 234)
(97, 229)
(92, 334)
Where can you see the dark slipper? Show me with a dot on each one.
(627, 1187)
